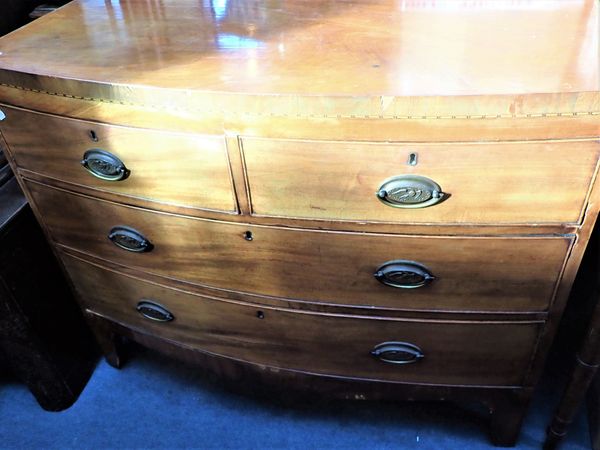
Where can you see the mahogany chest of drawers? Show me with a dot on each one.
(368, 199)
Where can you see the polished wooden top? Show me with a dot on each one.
(390, 47)
(351, 48)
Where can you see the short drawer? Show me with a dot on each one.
(465, 183)
(476, 353)
(390, 271)
(174, 168)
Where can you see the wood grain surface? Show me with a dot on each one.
(175, 168)
(291, 114)
(360, 56)
(312, 265)
(456, 352)
(499, 183)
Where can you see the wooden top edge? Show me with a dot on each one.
(207, 103)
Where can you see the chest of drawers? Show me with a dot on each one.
(382, 200)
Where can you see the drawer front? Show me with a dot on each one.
(493, 183)
(174, 168)
(454, 352)
(471, 274)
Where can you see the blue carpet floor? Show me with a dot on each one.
(154, 402)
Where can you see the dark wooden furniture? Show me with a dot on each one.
(355, 198)
(587, 364)
(43, 338)
(574, 341)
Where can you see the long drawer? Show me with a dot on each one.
(462, 183)
(175, 168)
(390, 271)
(433, 352)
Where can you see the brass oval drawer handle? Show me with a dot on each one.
(129, 239)
(403, 274)
(154, 311)
(397, 353)
(410, 191)
(104, 165)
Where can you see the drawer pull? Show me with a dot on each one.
(154, 311)
(397, 353)
(410, 191)
(104, 165)
(129, 239)
(403, 274)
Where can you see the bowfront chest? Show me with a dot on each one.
(367, 199)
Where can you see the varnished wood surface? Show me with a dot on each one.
(397, 73)
(318, 224)
(175, 168)
(309, 306)
(535, 120)
(476, 353)
(265, 380)
(541, 182)
(587, 356)
(312, 265)
(378, 49)
(287, 178)
(506, 405)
